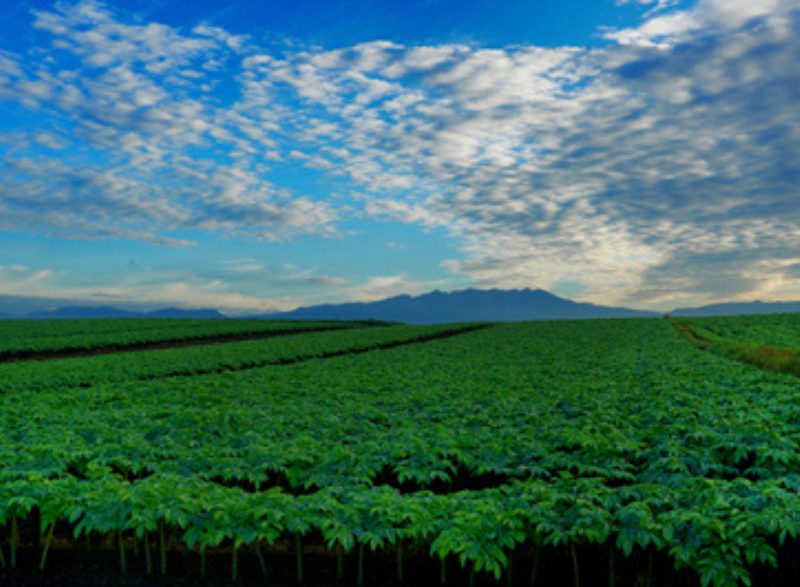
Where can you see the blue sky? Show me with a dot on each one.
(261, 155)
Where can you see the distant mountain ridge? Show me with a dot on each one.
(737, 308)
(468, 305)
(73, 312)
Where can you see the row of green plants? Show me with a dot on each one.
(56, 375)
(747, 348)
(776, 330)
(542, 436)
(27, 337)
(718, 528)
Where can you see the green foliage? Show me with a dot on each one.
(769, 341)
(54, 375)
(21, 337)
(552, 433)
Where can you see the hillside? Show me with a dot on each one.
(469, 305)
(738, 308)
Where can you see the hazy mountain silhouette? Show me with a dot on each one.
(111, 312)
(736, 308)
(184, 313)
(469, 305)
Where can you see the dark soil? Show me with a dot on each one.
(78, 567)
(149, 346)
(155, 346)
(100, 568)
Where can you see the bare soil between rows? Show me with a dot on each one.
(150, 346)
(116, 349)
(99, 567)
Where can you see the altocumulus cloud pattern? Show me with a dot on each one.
(664, 163)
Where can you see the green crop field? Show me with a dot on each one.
(779, 330)
(770, 342)
(27, 339)
(605, 453)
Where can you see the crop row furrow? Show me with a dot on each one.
(758, 354)
(194, 360)
(121, 335)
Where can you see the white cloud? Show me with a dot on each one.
(669, 156)
(18, 279)
(707, 17)
(604, 167)
(148, 140)
(247, 265)
(405, 212)
(734, 13)
(89, 30)
(145, 288)
(662, 31)
(380, 287)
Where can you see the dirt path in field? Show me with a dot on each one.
(690, 335)
(763, 356)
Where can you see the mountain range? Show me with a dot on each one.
(736, 308)
(468, 305)
(112, 312)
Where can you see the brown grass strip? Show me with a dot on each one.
(769, 358)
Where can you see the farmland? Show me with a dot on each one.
(778, 330)
(606, 452)
(770, 342)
